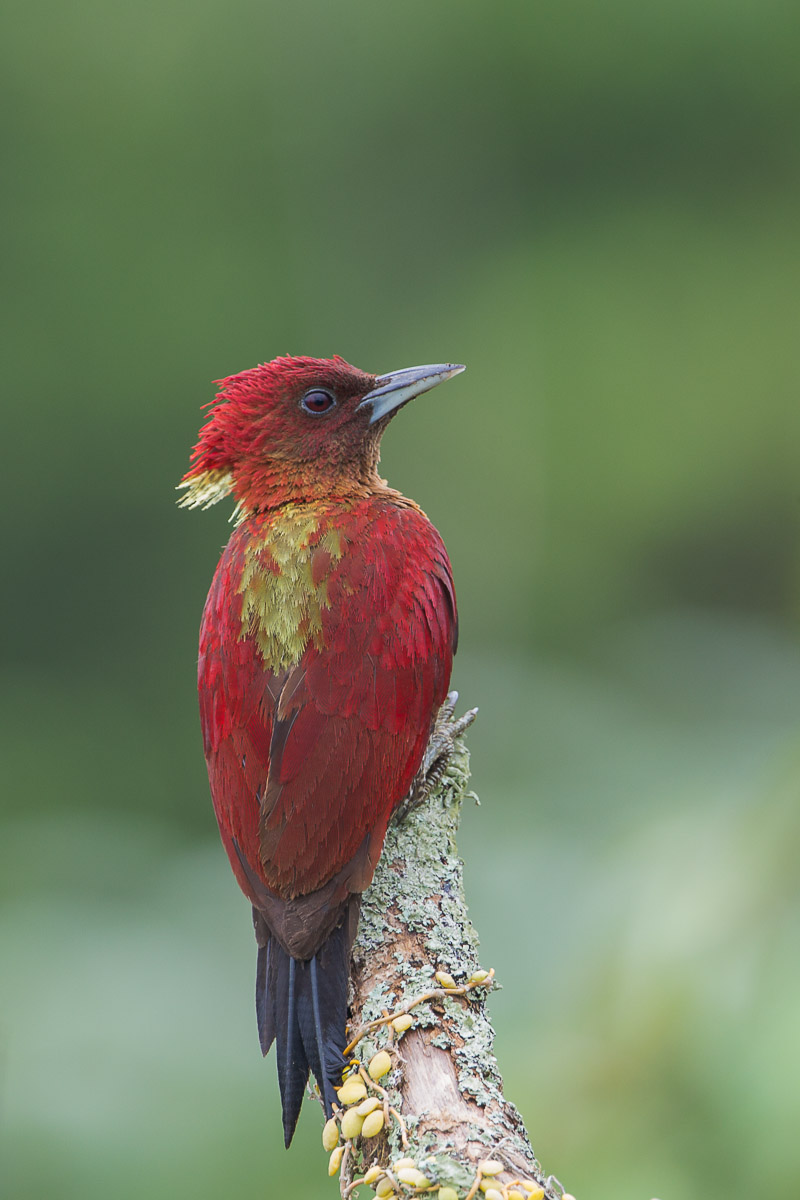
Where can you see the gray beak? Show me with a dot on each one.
(396, 389)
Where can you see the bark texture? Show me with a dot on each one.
(444, 1087)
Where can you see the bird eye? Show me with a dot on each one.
(317, 402)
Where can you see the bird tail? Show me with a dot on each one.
(301, 1005)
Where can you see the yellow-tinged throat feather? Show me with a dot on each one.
(281, 604)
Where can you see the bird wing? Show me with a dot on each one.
(308, 763)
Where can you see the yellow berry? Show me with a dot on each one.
(404, 1162)
(351, 1124)
(373, 1124)
(447, 1193)
(490, 1166)
(367, 1106)
(493, 1194)
(479, 976)
(330, 1135)
(413, 1177)
(400, 1024)
(385, 1188)
(536, 1193)
(515, 1195)
(379, 1065)
(444, 979)
(372, 1174)
(352, 1091)
(335, 1160)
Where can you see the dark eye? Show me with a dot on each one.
(316, 402)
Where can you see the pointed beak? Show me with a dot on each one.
(393, 391)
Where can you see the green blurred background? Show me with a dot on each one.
(595, 207)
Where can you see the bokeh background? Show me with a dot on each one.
(595, 206)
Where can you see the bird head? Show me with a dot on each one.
(298, 429)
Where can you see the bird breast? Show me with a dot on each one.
(284, 583)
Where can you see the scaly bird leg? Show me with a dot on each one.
(447, 728)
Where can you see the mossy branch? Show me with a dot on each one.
(425, 1110)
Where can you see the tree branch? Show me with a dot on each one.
(428, 1088)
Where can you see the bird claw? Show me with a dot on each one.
(447, 729)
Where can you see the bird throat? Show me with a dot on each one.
(284, 582)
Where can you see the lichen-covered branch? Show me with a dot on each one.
(424, 1110)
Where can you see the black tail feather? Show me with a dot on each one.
(266, 1024)
(292, 1060)
(330, 971)
(303, 1006)
(320, 1067)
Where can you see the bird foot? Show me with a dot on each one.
(447, 729)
